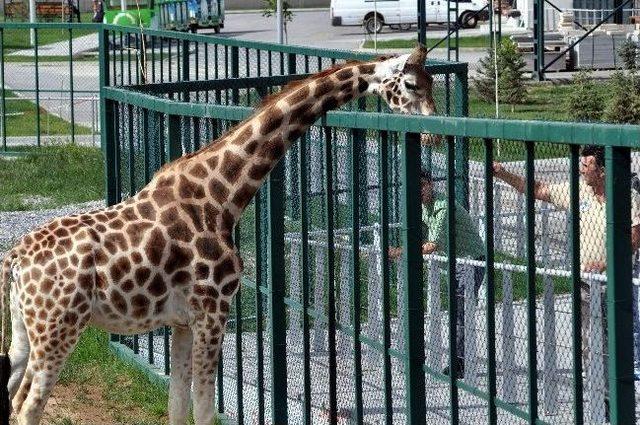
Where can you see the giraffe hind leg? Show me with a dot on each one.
(19, 350)
(49, 350)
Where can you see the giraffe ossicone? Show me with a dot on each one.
(165, 256)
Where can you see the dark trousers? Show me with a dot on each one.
(478, 278)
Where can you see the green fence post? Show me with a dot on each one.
(174, 145)
(462, 143)
(185, 67)
(578, 395)
(452, 279)
(292, 168)
(277, 319)
(384, 196)
(412, 264)
(36, 70)
(71, 106)
(235, 72)
(490, 282)
(532, 346)
(619, 295)
(3, 92)
(107, 112)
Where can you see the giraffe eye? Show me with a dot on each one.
(410, 86)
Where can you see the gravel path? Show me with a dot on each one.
(14, 224)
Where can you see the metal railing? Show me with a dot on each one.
(364, 374)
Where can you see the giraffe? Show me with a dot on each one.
(165, 256)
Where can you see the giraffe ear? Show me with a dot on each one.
(395, 64)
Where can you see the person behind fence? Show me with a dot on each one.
(592, 224)
(468, 244)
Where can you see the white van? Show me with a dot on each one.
(400, 13)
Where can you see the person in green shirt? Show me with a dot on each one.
(468, 245)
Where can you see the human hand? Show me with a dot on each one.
(395, 252)
(428, 248)
(595, 267)
(428, 139)
(498, 169)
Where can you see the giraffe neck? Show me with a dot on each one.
(233, 168)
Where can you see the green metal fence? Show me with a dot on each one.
(326, 318)
(49, 90)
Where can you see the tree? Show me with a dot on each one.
(628, 52)
(512, 88)
(585, 101)
(270, 9)
(624, 103)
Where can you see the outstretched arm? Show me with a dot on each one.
(541, 190)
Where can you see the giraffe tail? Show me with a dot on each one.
(5, 362)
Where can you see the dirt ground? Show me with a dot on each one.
(86, 405)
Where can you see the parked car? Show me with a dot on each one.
(373, 15)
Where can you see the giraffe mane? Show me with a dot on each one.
(287, 89)
(266, 101)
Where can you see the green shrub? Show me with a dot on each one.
(585, 102)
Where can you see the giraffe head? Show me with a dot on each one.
(404, 84)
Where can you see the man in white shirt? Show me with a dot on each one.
(592, 222)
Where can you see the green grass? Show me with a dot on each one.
(123, 386)
(22, 117)
(59, 175)
(17, 39)
(473, 41)
(545, 102)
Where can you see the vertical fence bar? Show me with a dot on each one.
(167, 352)
(239, 369)
(37, 75)
(331, 311)
(462, 145)
(3, 93)
(174, 146)
(490, 282)
(304, 233)
(258, 222)
(107, 135)
(412, 264)
(453, 279)
(531, 281)
(386, 282)
(235, 71)
(574, 223)
(619, 293)
(356, 145)
(132, 174)
(278, 322)
(71, 106)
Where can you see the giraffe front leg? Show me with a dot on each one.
(207, 340)
(180, 386)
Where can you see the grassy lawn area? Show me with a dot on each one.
(472, 41)
(15, 39)
(22, 115)
(546, 102)
(77, 176)
(96, 386)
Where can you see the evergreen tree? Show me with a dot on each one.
(623, 107)
(585, 101)
(511, 85)
(628, 52)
